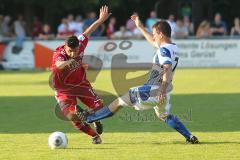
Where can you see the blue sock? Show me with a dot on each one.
(176, 124)
(99, 114)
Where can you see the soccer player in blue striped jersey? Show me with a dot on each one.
(155, 93)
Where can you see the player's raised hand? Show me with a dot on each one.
(137, 21)
(104, 14)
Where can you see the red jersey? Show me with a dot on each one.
(67, 80)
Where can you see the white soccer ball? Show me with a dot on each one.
(57, 140)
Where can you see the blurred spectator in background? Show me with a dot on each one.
(218, 27)
(130, 25)
(187, 23)
(111, 27)
(63, 30)
(46, 33)
(71, 23)
(91, 18)
(180, 31)
(6, 29)
(61, 26)
(235, 30)
(79, 25)
(137, 34)
(20, 32)
(123, 33)
(36, 27)
(172, 23)
(204, 30)
(151, 20)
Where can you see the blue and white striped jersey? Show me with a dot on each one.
(166, 54)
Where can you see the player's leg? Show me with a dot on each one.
(163, 113)
(88, 96)
(135, 95)
(109, 110)
(93, 102)
(68, 106)
(83, 126)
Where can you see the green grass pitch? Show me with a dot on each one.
(207, 100)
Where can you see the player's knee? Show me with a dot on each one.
(162, 116)
(70, 116)
(63, 105)
(160, 112)
(119, 102)
(70, 113)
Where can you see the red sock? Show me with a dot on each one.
(85, 128)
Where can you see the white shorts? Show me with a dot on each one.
(145, 97)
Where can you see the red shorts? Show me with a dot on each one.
(85, 93)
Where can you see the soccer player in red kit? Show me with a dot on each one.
(69, 79)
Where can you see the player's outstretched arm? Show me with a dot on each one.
(146, 34)
(103, 16)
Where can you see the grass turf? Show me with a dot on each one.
(207, 100)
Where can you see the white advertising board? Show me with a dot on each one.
(138, 53)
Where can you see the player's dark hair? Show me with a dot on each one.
(164, 27)
(72, 42)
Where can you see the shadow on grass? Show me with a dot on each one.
(151, 143)
(84, 148)
(200, 113)
(171, 142)
(216, 143)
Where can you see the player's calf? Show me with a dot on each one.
(74, 114)
(84, 127)
(176, 124)
(82, 114)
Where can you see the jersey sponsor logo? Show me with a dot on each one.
(165, 52)
(60, 58)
